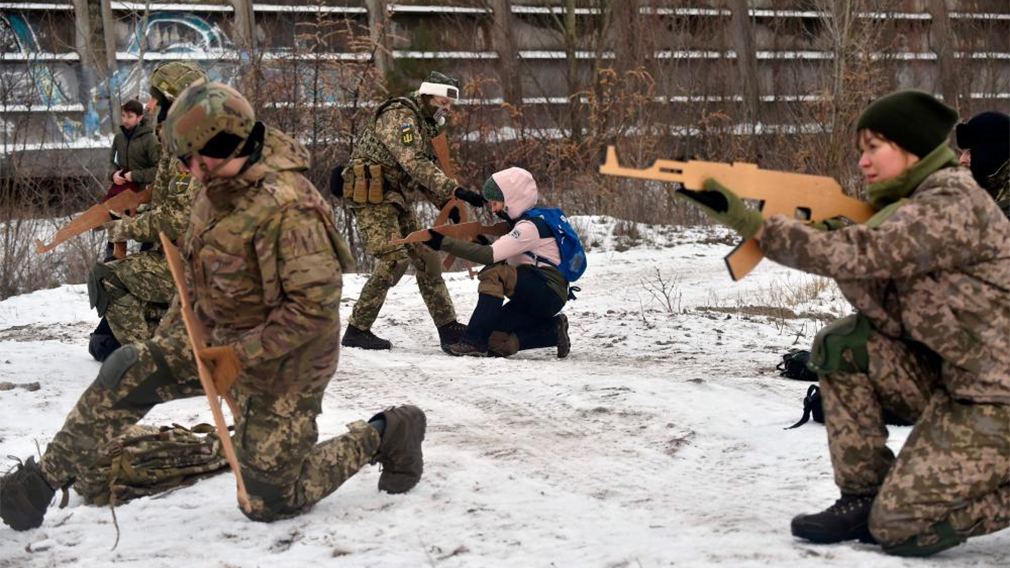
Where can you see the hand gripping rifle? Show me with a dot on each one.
(809, 197)
(95, 217)
(198, 340)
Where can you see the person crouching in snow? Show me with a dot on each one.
(928, 277)
(521, 266)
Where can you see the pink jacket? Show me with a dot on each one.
(520, 191)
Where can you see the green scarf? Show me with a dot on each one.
(886, 192)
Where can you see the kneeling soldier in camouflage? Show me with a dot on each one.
(262, 258)
(928, 275)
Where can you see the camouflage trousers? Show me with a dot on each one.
(955, 465)
(377, 223)
(138, 295)
(285, 470)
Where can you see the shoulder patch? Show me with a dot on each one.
(407, 134)
(516, 233)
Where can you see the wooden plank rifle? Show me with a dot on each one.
(197, 335)
(95, 217)
(806, 196)
(466, 231)
(440, 144)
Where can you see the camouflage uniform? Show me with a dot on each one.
(139, 287)
(133, 293)
(261, 254)
(929, 274)
(399, 139)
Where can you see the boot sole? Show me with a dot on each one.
(420, 450)
(565, 347)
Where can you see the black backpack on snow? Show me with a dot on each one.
(794, 366)
(814, 406)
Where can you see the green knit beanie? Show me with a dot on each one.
(914, 120)
(492, 192)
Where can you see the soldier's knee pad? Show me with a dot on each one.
(104, 288)
(115, 366)
(850, 334)
(498, 280)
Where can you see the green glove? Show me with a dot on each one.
(724, 207)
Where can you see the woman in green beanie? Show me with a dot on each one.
(928, 276)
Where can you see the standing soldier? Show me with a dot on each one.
(985, 150)
(132, 294)
(393, 158)
(263, 263)
(928, 277)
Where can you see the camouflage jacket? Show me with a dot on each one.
(168, 211)
(261, 255)
(936, 272)
(399, 138)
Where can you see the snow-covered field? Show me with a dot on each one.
(658, 442)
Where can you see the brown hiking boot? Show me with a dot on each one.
(450, 333)
(354, 337)
(465, 348)
(400, 449)
(24, 496)
(847, 519)
(564, 343)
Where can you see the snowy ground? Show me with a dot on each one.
(659, 441)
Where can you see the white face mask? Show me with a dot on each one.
(441, 115)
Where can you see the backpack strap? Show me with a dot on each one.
(544, 231)
(807, 407)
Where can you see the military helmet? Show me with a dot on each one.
(170, 79)
(204, 111)
(440, 85)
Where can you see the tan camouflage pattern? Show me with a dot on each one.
(148, 289)
(954, 466)
(285, 470)
(407, 167)
(935, 272)
(265, 271)
(267, 281)
(376, 223)
(203, 111)
(173, 77)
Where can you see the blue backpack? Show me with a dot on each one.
(551, 221)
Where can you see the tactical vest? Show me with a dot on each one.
(369, 147)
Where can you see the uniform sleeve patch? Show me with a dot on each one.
(407, 134)
(516, 233)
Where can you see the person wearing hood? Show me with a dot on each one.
(521, 266)
(132, 294)
(985, 150)
(264, 263)
(392, 162)
(928, 276)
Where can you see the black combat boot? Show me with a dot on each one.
(24, 496)
(400, 449)
(450, 333)
(354, 337)
(564, 343)
(102, 342)
(847, 519)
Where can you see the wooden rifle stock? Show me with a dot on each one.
(197, 335)
(810, 197)
(440, 144)
(95, 217)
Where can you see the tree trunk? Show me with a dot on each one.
(109, 37)
(942, 42)
(508, 70)
(747, 69)
(377, 23)
(86, 70)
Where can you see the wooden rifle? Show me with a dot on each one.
(805, 196)
(440, 144)
(95, 217)
(465, 231)
(197, 335)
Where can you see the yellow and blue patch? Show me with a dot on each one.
(407, 131)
